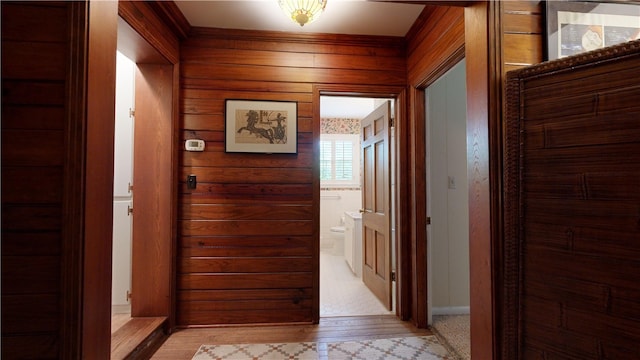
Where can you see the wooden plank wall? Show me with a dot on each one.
(432, 42)
(522, 33)
(576, 138)
(35, 48)
(248, 243)
(94, 112)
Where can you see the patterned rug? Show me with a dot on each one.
(406, 348)
(453, 331)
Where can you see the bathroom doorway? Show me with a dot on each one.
(342, 290)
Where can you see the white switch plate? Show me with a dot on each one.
(452, 182)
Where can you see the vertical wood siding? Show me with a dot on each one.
(35, 50)
(247, 244)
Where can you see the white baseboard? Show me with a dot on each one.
(120, 309)
(451, 310)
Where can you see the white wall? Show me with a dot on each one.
(447, 198)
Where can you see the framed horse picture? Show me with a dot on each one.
(254, 126)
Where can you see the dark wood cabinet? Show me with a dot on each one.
(572, 208)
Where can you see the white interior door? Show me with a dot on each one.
(123, 177)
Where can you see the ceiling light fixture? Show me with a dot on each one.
(302, 11)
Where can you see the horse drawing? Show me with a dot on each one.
(252, 120)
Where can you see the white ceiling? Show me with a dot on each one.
(345, 107)
(354, 17)
(358, 17)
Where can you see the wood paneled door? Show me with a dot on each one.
(376, 217)
(151, 258)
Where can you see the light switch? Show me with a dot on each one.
(452, 182)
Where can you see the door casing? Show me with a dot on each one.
(403, 289)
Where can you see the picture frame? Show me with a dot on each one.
(574, 27)
(261, 126)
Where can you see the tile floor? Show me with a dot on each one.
(342, 293)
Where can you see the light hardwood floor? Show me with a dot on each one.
(118, 321)
(184, 343)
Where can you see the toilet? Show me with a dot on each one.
(333, 240)
(337, 240)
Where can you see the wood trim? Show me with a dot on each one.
(420, 23)
(98, 187)
(403, 214)
(419, 208)
(403, 288)
(145, 21)
(510, 282)
(419, 203)
(437, 72)
(460, 3)
(307, 38)
(73, 194)
(138, 338)
(135, 47)
(495, 119)
(175, 183)
(315, 296)
(483, 108)
(169, 12)
(442, 35)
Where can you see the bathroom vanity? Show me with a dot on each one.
(353, 241)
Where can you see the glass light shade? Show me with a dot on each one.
(302, 11)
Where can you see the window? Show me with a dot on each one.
(340, 159)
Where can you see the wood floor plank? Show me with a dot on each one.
(132, 334)
(184, 343)
(118, 321)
